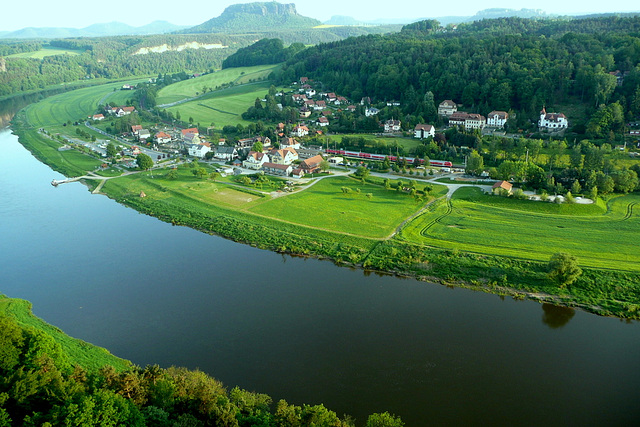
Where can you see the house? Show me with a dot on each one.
(458, 118)
(304, 113)
(255, 160)
(331, 97)
(190, 130)
(297, 173)
(119, 112)
(199, 150)
(552, 121)
(323, 121)
(371, 111)
(392, 126)
(502, 185)
(340, 100)
(283, 156)
(98, 117)
(310, 103)
(311, 164)
(365, 101)
(226, 153)
(298, 98)
(162, 138)
(300, 131)
(447, 108)
(304, 80)
(306, 153)
(191, 138)
(128, 87)
(310, 92)
(277, 169)
(497, 119)
(135, 129)
(336, 160)
(143, 134)
(475, 121)
(424, 131)
(351, 108)
(128, 110)
(393, 104)
(320, 105)
(289, 143)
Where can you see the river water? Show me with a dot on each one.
(302, 329)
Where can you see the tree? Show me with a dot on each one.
(384, 419)
(475, 163)
(172, 174)
(199, 172)
(324, 165)
(563, 269)
(362, 173)
(214, 175)
(111, 150)
(257, 146)
(144, 162)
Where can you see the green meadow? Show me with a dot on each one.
(193, 87)
(223, 107)
(601, 237)
(44, 52)
(326, 206)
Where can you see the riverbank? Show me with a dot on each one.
(605, 292)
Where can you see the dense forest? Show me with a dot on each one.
(265, 51)
(506, 64)
(40, 385)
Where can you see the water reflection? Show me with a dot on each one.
(556, 317)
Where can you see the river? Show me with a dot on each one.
(302, 329)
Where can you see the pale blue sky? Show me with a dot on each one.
(81, 13)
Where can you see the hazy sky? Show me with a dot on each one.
(15, 15)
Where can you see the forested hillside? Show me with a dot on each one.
(262, 52)
(507, 64)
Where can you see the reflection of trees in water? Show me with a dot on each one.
(556, 317)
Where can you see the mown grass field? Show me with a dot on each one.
(324, 205)
(82, 353)
(44, 52)
(189, 88)
(531, 230)
(224, 107)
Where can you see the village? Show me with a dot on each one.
(296, 151)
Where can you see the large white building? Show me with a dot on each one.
(447, 108)
(552, 121)
(497, 119)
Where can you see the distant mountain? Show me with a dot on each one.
(509, 13)
(342, 20)
(256, 17)
(95, 30)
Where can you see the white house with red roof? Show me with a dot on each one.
(162, 138)
(199, 150)
(255, 160)
(300, 131)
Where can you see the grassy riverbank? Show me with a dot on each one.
(482, 242)
(79, 352)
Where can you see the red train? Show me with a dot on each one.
(369, 156)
